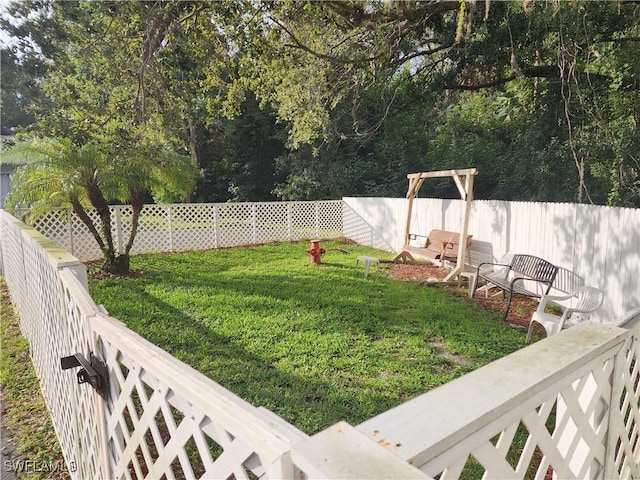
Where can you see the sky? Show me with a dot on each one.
(4, 36)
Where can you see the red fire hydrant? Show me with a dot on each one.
(315, 252)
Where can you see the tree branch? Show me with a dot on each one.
(299, 45)
(540, 71)
(355, 15)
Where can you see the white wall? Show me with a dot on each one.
(602, 244)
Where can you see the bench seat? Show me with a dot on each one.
(438, 246)
(525, 275)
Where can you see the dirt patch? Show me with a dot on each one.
(521, 307)
(418, 272)
(439, 349)
(95, 272)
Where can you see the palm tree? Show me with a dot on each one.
(58, 173)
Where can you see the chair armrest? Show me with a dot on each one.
(557, 297)
(545, 299)
(566, 310)
(492, 265)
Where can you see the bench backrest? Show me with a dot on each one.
(566, 281)
(450, 240)
(534, 267)
(480, 252)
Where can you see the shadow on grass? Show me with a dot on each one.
(303, 400)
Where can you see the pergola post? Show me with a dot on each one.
(466, 193)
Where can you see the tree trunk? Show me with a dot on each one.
(192, 148)
(118, 264)
(86, 220)
(111, 262)
(137, 203)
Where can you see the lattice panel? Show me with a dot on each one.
(192, 227)
(160, 430)
(625, 420)
(171, 228)
(55, 327)
(56, 226)
(84, 246)
(13, 271)
(154, 232)
(304, 221)
(539, 438)
(330, 219)
(235, 223)
(272, 222)
(80, 410)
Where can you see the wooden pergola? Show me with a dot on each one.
(464, 181)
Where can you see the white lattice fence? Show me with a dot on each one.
(235, 224)
(196, 226)
(568, 405)
(303, 221)
(54, 322)
(166, 420)
(193, 227)
(12, 261)
(162, 419)
(57, 225)
(272, 222)
(624, 442)
(81, 242)
(81, 413)
(329, 219)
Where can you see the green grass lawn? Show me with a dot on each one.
(315, 344)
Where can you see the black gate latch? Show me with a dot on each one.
(94, 372)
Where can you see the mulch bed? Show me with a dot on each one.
(521, 307)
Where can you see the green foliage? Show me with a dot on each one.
(244, 169)
(54, 175)
(305, 100)
(315, 344)
(18, 91)
(58, 173)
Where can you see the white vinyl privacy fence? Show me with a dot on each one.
(601, 244)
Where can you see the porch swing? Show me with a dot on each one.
(440, 244)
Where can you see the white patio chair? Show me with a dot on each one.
(576, 307)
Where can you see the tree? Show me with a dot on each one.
(361, 89)
(19, 88)
(61, 174)
(319, 63)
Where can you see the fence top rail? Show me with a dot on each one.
(56, 255)
(436, 421)
(242, 419)
(81, 297)
(224, 204)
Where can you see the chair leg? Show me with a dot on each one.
(473, 284)
(508, 306)
(529, 332)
